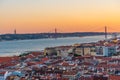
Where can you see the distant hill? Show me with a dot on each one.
(46, 35)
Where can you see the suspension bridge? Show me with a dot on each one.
(106, 30)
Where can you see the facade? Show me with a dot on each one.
(50, 51)
(58, 51)
(63, 51)
(85, 50)
(3, 75)
(105, 50)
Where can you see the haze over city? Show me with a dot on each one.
(35, 16)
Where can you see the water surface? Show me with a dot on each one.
(20, 46)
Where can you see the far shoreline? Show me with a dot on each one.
(48, 38)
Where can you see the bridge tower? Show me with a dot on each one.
(105, 32)
(55, 33)
(15, 31)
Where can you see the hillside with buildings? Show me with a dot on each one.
(93, 61)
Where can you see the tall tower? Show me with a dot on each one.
(55, 30)
(105, 33)
(15, 31)
(55, 33)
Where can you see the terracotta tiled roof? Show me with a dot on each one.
(114, 77)
(70, 73)
(30, 56)
(2, 73)
(45, 59)
(36, 53)
(8, 59)
(68, 64)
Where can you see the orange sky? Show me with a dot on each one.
(35, 16)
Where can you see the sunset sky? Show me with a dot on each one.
(36, 16)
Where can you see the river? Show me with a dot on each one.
(17, 47)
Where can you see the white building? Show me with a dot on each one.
(3, 75)
(105, 50)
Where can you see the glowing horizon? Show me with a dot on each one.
(36, 16)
